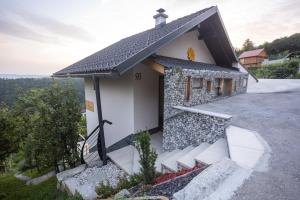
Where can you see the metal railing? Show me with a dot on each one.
(90, 143)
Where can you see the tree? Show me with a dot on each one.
(9, 140)
(288, 44)
(52, 118)
(147, 157)
(248, 45)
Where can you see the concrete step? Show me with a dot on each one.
(188, 160)
(124, 158)
(214, 153)
(91, 157)
(170, 164)
(218, 181)
(162, 157)
(245, 148)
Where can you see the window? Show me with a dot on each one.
(197, 83)
(208, 84)
(220, 82)
(187, 93)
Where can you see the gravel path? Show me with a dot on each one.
(276, 117)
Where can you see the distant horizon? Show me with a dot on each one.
(5, 75)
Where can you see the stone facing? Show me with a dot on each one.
(188, 128)
(183, 128)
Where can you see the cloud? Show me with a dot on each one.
(56, 26)
(14, 29)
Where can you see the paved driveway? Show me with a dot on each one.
(276, 116)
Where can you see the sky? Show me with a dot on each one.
(41, 37)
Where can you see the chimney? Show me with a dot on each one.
(160, 18)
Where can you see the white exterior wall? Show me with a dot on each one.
(131, 105)
(91, 117)
(178, 48)
(117, 107)
(251, 80)
(145, 99)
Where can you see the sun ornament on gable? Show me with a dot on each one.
(191, 55)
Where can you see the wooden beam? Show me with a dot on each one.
(154, 66)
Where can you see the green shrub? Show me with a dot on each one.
(125, 183)
(147, 157)
(105, 191)
(297, 76)
(283, 70)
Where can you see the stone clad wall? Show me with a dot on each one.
(182, 128)
(187, 128)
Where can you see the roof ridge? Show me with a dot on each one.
(120, 54)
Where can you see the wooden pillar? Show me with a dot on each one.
(101, 139)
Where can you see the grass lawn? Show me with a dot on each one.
(34, 173)
(14, 189)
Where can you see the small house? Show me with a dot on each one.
(151, 81)
(253, 58)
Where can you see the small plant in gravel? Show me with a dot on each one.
(105, 191)
(147, 157)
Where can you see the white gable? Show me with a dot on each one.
(178, 48)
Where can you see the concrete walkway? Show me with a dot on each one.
(274, 85)
(244, 147)
(276, 117)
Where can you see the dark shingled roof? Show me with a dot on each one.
(121, 55)
(169, 62)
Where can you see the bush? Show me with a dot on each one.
(147, 155)
(288, 69)
(105, 191)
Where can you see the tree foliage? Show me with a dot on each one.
(288, 44)
(248, 45)
(9, 140)
(50, 119)
(147, 157)
(288, 69)
(11, 89)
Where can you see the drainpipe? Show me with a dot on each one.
(101, 140)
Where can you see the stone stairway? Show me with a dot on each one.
(127, 157)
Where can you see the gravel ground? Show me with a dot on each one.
(108, 174)
(276, 117)
(170, 187)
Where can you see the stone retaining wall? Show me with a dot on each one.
(187, 128)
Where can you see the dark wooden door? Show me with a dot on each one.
(161, 103)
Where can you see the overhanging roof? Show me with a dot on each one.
(117, 58)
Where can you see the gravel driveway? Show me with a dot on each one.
(276, 116)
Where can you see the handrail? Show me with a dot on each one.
(82, 148)
(92, 133)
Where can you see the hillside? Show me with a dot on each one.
(11, 89)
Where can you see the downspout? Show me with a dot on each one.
(101, 139)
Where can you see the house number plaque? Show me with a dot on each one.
(138, 76)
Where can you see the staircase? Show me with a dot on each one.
(127, 158)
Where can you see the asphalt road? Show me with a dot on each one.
(276, 117)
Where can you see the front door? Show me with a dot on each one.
(161, 103)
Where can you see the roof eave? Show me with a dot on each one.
(111, 74)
